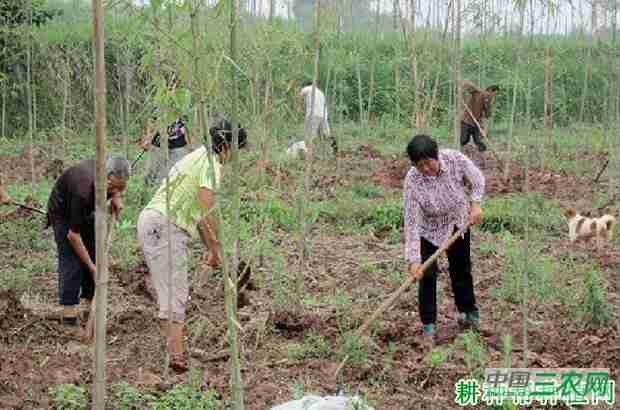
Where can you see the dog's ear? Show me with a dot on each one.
(569, 212)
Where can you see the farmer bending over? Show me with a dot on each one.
(435, 207)
(316, 117)
(70, 212)
(477, 109)
(192, 200)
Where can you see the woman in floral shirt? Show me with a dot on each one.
(436, 205)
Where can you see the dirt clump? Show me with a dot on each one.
(16, 168)
(392, 172)
(12, 312)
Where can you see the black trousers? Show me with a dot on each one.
(74, 279)
(471, 131)
(459, 258)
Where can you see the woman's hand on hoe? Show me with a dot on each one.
(415, 270)
(475, 214)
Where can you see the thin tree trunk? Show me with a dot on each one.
(128, 78)
(303, 247)
(359, 91)
(584, 91)
(397, 86)
(431, 105)
(511, 128)
(231, 274)
(547, 102)
(101, 295)
(457, 73)
(415, 120)
(33, 91)
(65, 98)
(33, 176)
(371, 88)
(525, 274)
(395, 13)
(194, 84)
(3, 109)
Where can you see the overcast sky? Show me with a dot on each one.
(566, 16)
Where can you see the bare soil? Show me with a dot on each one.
(35, 353)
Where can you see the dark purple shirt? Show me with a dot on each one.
(435, 205)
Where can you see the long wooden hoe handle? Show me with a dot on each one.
(6, 199)
(482, 131)
(403, 287)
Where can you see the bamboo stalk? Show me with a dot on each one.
(457, 72)
(231, 274)
(33, 176)
(3, 133)
(403, 287)
(100, 206)
(89, 331)
(525, 277)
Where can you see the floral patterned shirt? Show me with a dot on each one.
(435, 205)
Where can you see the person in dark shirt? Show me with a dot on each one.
(70, 212)
(179, 142)
(476, 110)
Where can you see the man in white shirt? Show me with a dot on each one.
(316, 115)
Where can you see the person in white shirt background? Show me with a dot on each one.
(316, 115)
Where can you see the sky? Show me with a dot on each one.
(566, 17)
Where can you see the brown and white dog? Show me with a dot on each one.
(583, 228)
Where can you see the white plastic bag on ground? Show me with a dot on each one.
(324, 403)
(297, 149)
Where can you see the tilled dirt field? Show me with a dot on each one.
(35, 354)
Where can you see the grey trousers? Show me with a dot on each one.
(153, 240)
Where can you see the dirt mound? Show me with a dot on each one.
(136, 281)
(391, 173)
(366, 151)
(16, 168)
(12, 312)
(291, 324)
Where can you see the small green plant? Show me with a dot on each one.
(487, 248)
(69, 397)
(436, 357)
(397, 277)
(514, 212)
(367, 266)
(539, 270)
(130, 398)
(367, 190)
(188, 396)
(474, 352)
(282, 283)
(433, 360)
(298, 388)
(388, 214)
(317, 344)
(595, 307)
(296, 351)
(355, 347)
(314, 345)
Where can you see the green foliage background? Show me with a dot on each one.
(282, 52)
